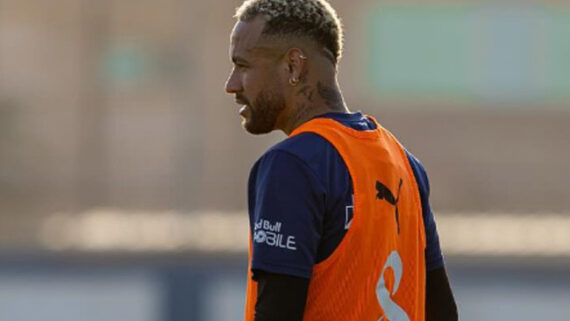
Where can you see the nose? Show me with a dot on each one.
(233, 84)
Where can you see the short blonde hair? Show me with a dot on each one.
(313, 19)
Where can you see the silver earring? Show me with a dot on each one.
(293, 81)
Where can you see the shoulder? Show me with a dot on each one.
(309, 149)
(304, 146)
(419, 173)
(306, 154)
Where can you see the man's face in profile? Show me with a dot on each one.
(255, 80)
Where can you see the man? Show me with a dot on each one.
(341, 227)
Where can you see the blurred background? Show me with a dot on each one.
(123, 164)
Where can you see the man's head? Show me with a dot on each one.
(271, 44)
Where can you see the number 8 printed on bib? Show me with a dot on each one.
(392, 311)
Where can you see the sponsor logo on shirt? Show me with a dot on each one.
(270, 234)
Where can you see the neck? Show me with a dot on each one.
(311, 100)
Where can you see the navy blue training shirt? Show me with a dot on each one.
(300, 202)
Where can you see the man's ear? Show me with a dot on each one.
(296, 64)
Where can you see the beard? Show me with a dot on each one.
(264, 111)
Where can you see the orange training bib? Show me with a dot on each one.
(378, 270)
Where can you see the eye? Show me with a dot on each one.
(240, 66)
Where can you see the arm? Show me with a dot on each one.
(287, 208)
(280, 297)
(440, 304)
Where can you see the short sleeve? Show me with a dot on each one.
(433, 255)
(286, 214)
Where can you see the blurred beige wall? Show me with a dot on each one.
(121, 104)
